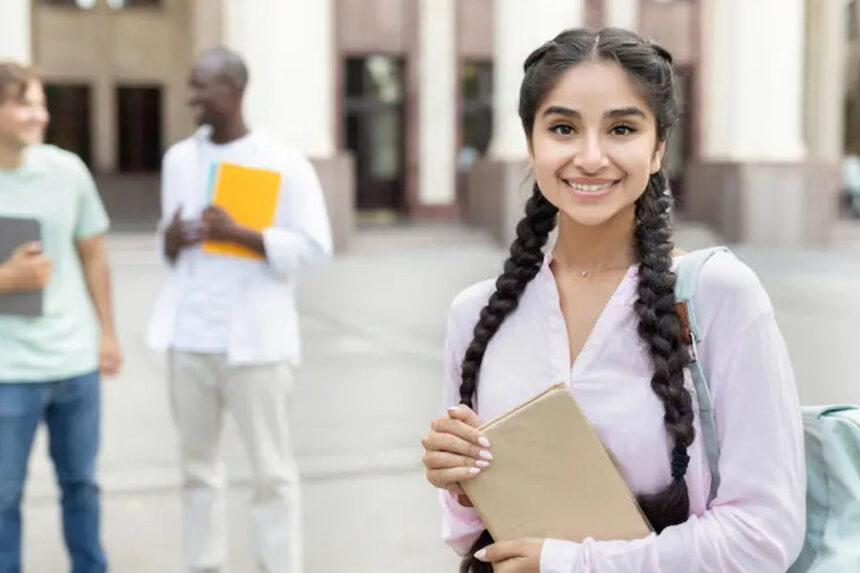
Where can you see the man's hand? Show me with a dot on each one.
(110, 356)
(518, 556)
(218, 225)
(179, 235)
(26, 269)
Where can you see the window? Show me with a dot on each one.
(139, 128)
(120, 4)
(678, 152)
(476, 111)
(374, 130)
(852, 15)
(69, 128)
(83, 4)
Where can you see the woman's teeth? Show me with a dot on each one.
(590, 188)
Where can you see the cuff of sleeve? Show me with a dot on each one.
(460, 525)
(459, 512)
(559, 556)
(281, 249)
(92, 231)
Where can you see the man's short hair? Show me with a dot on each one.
(14, 79)
(231, 66)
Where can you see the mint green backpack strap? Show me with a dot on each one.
(687, 279)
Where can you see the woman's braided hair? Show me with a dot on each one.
(659, 326)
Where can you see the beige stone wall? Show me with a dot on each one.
(475, 29)
(674, 25)
(106, 48)
(374, 26)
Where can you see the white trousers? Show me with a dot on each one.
(202, 387)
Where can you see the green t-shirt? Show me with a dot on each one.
(54, 187)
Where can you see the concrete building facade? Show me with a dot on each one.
(408, 107)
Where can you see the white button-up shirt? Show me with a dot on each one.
(756, 523)
(263, 325)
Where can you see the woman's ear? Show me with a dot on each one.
(657, 159)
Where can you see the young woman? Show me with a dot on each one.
(597, 312)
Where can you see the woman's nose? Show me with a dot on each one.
(590, 156)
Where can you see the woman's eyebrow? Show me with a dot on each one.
(623, 112)
(611, 114)
(560, 110)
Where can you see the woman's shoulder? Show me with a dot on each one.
(728, 285)
(466, 306)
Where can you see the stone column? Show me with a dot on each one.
(621, 14)
(15, 42)
(106, 140)
(289, 48)
(754, 182)
(437, 105)
(826, 52)
(497, 191)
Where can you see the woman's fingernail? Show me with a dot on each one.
(453, 408)
(482, 463)
(481, 555)
(474, 471)
(486, 455)
(484, 442)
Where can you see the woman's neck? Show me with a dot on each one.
(593, 248)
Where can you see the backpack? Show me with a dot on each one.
(831, 443)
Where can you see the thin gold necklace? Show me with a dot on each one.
(584, 273)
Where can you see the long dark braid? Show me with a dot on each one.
(660, 329)
(659, 326)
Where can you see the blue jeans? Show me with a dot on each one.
(70, 409)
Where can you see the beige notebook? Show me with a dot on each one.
(551, 477)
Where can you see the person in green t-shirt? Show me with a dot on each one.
(51, 364)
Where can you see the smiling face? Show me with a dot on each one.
(594, 143)
(212, 99)
(23, 116)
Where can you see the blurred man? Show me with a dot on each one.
(230, 323)
(50, 364)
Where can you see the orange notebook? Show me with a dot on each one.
(250, 196)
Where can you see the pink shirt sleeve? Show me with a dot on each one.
(461, 526)
(757, 521)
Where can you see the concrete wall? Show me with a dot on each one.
(106, 48)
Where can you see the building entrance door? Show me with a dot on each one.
(373, 115)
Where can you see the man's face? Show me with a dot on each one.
(211, 98)
(24, 117)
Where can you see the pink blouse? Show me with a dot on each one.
(756, 523)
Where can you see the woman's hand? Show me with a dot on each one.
(517, 556)
(455, 451)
